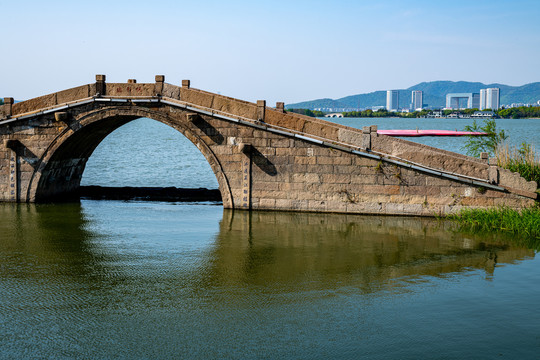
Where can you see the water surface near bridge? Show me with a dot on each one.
(112, 279)
(108, 279)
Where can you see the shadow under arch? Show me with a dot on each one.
(59, 171)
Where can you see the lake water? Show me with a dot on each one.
(150, 280)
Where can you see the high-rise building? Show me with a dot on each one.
(493, 98)
(417, 100)
(482, 99)
(490, 99)
(475, 101)
(392, 100)
(456, 101)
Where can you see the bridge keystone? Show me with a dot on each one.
(61, 116)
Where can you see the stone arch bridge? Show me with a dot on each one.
(262, 157)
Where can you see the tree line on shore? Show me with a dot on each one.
(508, 113)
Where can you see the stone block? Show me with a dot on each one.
(321, 130)
(394, 209)
(308, 178)
(101, 87)
(382, 189)
(421, 190)
(343, 160)
(366, 141)
(436, 181)
(365, 208)
(325, 160)
(413, 209)
(493, 175)
(267, 204)
(285, 151)
(197, 97)
(336, 206)
(350, 136)
(364, 179)
(347, 170)
(35, 104)
(238, 108)
(283, 204)
(515, 181)
(171, 91)
(363, 161)
(61, 116)
(317, 205)
(336, 178)
(280, 143)
(261, 110)
(73, 94)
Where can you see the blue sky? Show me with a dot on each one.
(275, 50)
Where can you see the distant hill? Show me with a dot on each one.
(434, 95)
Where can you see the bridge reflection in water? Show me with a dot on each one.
(361, 251)
(255, 248)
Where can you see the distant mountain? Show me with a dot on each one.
(434, 95)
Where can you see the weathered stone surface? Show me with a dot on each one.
(514, 181)
(38, 103)
(73, 94)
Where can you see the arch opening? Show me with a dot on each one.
(62, 170)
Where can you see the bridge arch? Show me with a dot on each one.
(61, 166)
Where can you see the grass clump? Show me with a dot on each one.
(524, 223)
(523, 160)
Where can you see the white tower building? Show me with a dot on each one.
(493, 98)
(417, 100)
(392, 100)
(483, 96)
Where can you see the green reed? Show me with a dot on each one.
(523, 160)
(524, 224)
